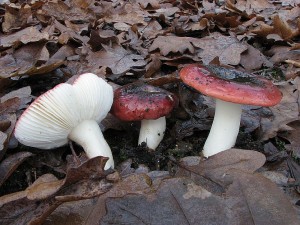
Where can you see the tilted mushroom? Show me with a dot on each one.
(231, 89)
(145, 103)
(69, 112)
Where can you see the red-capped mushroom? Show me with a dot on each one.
(231, 89)
(139, 101)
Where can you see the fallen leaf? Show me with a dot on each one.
(16, 17)
(6, 135)
(62, 11)
(152, 66)
(249, 6)
(285, 112)
(116, 58)
(253, 59)
(217, 165)
(280, 28)
(91, 210)
(227, 49)
(282, 53)
(293, 137)
(257, 200)
(27, 60)
(25, 36)
(131, 14)
(168, 44)
(34, 204)
(11, 163)
(177, 201)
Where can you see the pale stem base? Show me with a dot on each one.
(89, 135)
(225, 128)
(152, 132)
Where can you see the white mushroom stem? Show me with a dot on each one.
(152, 132)
(225, 128)
(88, 134)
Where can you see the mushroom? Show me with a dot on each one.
(69, 112)
(231, 89)
(139, 101)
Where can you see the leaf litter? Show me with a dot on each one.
(126, 41)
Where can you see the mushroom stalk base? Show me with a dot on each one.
(152, 132)
(88, 134)
(225, 128)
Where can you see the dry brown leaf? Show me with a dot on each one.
(131, 14)
(280, 30)
(257, 200)
(251, 199)
(16, 17)
(116, 58)
(67, 34)
(31, 59)
(172, 44)
(34, 204)
(282, 53)
(253, 59)
(217, 165)
(227, 49)
(153, 4)
(62, 11)
(27, 35)
(10, 164)
(293, 137)
(249, 6)
(285, 112)
(90, 210)
(153, 66)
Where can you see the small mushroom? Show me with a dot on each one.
(230, 88)
(139, 101)
(69, 112)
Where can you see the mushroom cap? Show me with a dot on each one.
(47, 122)
(139, 101)
(231, 85)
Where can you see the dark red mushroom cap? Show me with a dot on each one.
(231, 85)
(138, 101)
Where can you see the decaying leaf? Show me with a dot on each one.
(9, 164)
(34, 204)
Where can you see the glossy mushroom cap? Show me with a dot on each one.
(231, 85)
(139, 101)
(48, 121)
